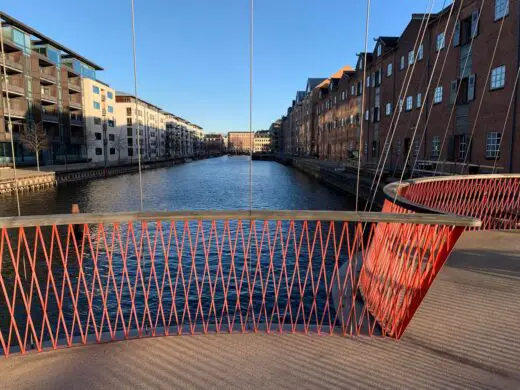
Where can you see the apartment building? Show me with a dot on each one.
(139, 118)
(43, 90)
(240, 141)
(106, 142)
(262, 142)
(214, 143)
(435, 85)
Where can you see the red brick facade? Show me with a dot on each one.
(451, 93)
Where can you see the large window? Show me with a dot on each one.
(411, 56)
(409, 103)
(498, 77)
(436, 146)
(110, 109)
(440, 42)
(388, 110)
(501, 8)
(97, 106)
(95, 89)
(389, 70)
(437, 97)
(493, 144)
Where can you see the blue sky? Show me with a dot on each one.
(193, 55)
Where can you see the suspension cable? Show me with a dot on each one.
(404, 90)
(136, 109)
(482, 97)
(364, 88)
(458, 90)
(423, 105)
(497, 152)
(450, 43)
(10, 122)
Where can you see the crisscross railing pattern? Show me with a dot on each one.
(494, 199)
(67, 280)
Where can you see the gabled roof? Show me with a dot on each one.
(340, 72)
(313, 82)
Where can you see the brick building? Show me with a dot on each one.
(435, 85)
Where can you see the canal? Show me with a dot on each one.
(213, 184)
(285, 275)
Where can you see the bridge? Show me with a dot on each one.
(270, 298)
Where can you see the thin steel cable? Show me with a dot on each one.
(251, 138)
(457, 93)
(450, 43)
(404, 90)
(136, 109)
(423, 105)
(505, 121)
(482, 97)
(396, 114)
(364, 86)
(10, 122)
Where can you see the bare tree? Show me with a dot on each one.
(119, 143)
(34, 138)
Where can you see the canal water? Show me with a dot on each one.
(183, 280)
(214, 184)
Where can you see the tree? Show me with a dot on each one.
(119, 143)
(34, 138)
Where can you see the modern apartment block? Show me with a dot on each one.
(435, 85)
(43, 90)
(106, 142)
(143, 120)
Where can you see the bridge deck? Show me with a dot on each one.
(464, 336)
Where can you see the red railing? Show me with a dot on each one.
(494, 199)
(75, 279)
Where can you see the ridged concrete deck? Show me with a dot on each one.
(465, 335)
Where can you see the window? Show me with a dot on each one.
(129, 121)
(110, 95)
(436, 146)
(97, 121)
(130, 152)
(419, 100)
(400, 105)
(401, 64)
(389, 70)
(368, 82)
(437, 97)
(110, 109)
(130, 141)
(420, 52)
(112, 150)
(129, 131)
(367, 113)
(440, 41)
(98, 136)
(111, 123)
(95, 89)
(379, 50)
(111, 137)
(493, 144)
(501, 8)
(388, 110)
(409, 103)
(99, 151)
(462, 146)
(97, 106)
(411, 56)
(498, 77)
(353, 90)
(128, 111)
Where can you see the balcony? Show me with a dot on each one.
(48, 75)
(75, 104)
(74, 84)
(50, 116)
(47, 96)
(12, 65)
(18, 108)
(76, 120)
(15, 87)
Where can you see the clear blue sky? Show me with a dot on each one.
(193, 55)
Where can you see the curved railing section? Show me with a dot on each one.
(76, 279)
(494, 199)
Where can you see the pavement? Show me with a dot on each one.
(464, 335)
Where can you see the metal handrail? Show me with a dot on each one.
(271, 215)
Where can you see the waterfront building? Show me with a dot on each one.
(262, 142)
(106, 142)
(463, 118)
(214, 143)
(43, 90)
(239, 141)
